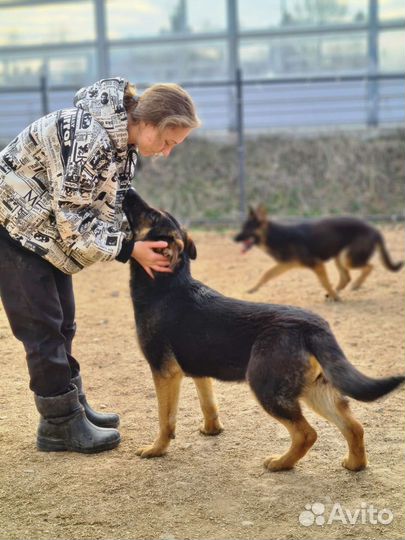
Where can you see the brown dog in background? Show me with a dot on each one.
(350, 241)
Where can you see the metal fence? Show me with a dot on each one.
(268, 104)
(244, 106)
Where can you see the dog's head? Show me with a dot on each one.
(150, 224)
(251, 233)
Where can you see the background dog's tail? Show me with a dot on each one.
(342, 374)
(386, 259)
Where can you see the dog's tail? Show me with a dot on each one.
(386, 259)
(342, 374)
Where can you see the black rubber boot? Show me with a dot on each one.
(98, 419)
(64, 426)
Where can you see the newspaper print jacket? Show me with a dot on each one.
(63, 180)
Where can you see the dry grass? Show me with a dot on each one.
(344, 173)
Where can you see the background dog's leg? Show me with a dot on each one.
(211, 425)
(275, 271)
(365, 271)
(324, 399)
(344, 276)
(167, 390)
(320, 271)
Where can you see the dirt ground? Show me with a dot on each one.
(206, 487)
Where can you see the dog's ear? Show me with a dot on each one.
(261, 212)
(189, 247)
(252, 212)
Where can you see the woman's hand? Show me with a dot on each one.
(150, 260)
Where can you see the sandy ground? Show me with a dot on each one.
(206, 487)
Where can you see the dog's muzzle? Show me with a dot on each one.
(172, 251)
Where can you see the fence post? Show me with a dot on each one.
(241, 142)
(233, 58)
(102, 40)
(43, 88)
(372, 82)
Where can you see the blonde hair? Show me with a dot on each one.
(162, 105)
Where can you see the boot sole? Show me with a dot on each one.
(46, 444)
(114, 425)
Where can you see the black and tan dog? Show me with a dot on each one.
(286, 354)
(350, 241)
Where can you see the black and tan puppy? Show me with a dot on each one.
(286, 354)
(350, 241)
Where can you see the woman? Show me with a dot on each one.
(62, 184)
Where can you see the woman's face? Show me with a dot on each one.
(151, 141)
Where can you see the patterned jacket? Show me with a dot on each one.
(63, 180)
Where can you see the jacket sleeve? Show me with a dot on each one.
(84, 202)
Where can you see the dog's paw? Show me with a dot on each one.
(150, 451)
(251, 291)
(354, 464)
(214, 427)
(334, 298)
(277, 463)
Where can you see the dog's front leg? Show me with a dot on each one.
(320, 271)
(212, 424)
(275, 271)
(167, 386)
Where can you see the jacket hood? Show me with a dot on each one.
(104, 100)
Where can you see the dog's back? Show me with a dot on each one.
(327, 238)
(320, 240)
(209, 334)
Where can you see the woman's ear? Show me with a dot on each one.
(189, 247)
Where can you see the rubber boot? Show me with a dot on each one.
(98, 419)
(64, 426)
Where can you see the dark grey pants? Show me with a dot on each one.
(39, 302)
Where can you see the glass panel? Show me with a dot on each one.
(73, 69)
(283, 57)
(258, 14)
(261, 14)
(59, 23)
(76, 68)
(20, 71)
(171, 63)
(391, 9)
(391, 50)
(207, 16)
(130, 19)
